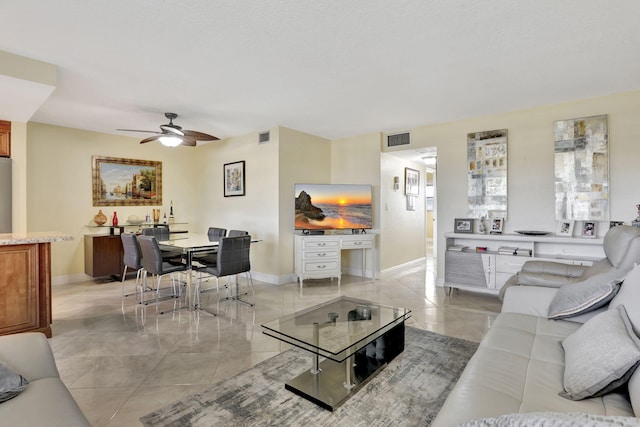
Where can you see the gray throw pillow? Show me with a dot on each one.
(600, 356)
(577, 298)
(11, 383)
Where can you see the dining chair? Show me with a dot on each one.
(232, 259)
(153, 263)
(215, 232)
(209, 258)
(132, 259)
(236, 233)
(161, 234)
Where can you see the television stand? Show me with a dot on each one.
(319, 256)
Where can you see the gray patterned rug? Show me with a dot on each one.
(408, 392)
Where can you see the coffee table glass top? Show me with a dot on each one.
(338, 328)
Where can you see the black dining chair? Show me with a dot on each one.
(209, 258)
(132, 259)
(153, 263)
(162, 234)
(232, 259)
(236, 233)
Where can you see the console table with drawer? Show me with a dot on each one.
(319, 256)
(475, 262)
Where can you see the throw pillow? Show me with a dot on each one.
(577, 298)
(600, 356)
(11, 383)
(629, 295)
(553, 419)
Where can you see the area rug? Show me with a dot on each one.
(408, 392)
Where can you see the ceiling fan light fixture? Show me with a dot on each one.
(170, 140)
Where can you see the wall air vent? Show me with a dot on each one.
(263, 137)
(399, 139)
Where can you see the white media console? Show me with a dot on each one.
(482, 267)
(319, 256)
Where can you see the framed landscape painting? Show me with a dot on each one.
(126, 182)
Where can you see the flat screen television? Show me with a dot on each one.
(333, 206)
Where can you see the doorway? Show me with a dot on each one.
(431, 224)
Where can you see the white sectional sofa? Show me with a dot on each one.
(518, 373)
(45, 401)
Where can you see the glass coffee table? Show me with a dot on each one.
(355, 338)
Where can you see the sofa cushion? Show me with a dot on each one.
(518, 368)
(600, 356)
(577, 298)
(629, 295)
(11, 383)
(553, 419)
(621, 245)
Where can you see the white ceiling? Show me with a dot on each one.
(332, 68)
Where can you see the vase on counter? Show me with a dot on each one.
(100, 218)
(114, 221)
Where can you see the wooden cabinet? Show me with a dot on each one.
(488, 270)
(319, 257)
(103, 255)
(5, 138)
(25, 288)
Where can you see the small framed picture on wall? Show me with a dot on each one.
(411, 182)
(589, 229)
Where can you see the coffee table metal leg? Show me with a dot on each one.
(316, 357)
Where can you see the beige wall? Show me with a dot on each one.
(54, 191)
(357, 161)
(304, 158)
(402, 238)
(58, 188)
(531, 161)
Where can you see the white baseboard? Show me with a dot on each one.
(70, 278)
(419, 262)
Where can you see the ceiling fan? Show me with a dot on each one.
(173, 135)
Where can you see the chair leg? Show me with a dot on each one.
(124, 276)
(250, 283)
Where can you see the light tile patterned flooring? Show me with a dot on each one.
(121, 361)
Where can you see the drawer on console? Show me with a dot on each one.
(510, 263)
(356, 244)
(315, 254)
(321, 244)
(321, 266)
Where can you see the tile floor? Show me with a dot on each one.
(121, 361)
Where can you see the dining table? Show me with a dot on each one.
(191, 244)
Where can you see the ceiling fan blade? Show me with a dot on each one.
(200, 136)
(176, 130)
(189, 142)
(137, 130)
(151, 138)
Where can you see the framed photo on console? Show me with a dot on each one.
(589, 229)
(565, 228)
(463, 225)
(496, 226)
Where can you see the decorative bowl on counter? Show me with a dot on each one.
(134, 220)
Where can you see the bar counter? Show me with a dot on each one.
(25, 281)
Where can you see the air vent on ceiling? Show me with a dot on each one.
(263, 137)
(399, 139)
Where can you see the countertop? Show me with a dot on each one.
(27, 238)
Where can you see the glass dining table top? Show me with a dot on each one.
(191, 241)
(338, 328)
